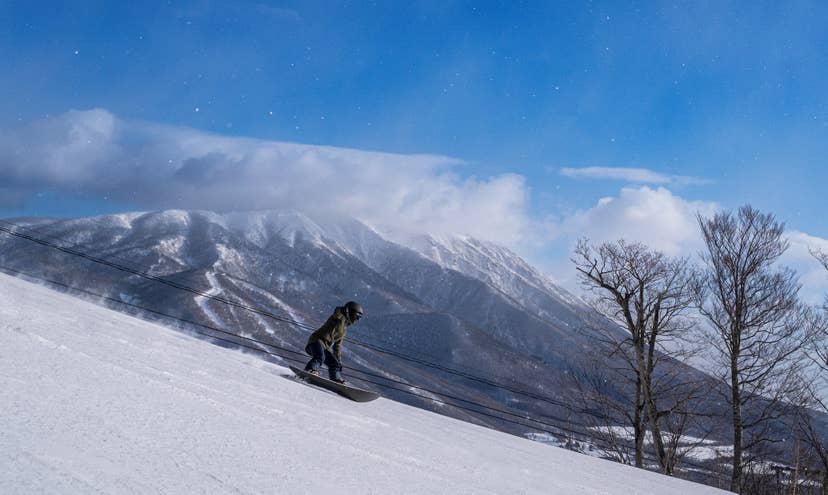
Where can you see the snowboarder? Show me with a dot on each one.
(325, 344)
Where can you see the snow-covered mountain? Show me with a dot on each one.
(458, 302)
(95, 401)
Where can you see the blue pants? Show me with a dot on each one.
(318, 355)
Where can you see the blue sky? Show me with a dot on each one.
(729, 93)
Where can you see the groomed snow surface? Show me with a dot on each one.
(94, 401)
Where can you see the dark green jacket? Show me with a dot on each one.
(332, 333)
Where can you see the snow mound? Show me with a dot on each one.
(98, 402)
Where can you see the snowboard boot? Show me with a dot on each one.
(337, 378)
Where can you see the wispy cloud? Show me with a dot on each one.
(155, 166)
(633, 175)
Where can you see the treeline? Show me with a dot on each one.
(735, 312)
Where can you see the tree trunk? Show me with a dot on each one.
(736, 479)
(638, 427)
(661, 452)
(664, 460)
(641, 396)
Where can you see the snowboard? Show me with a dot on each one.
(353, 393)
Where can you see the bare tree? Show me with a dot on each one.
(814, 383)
(810, 432)
(755, 319)
(648, 294)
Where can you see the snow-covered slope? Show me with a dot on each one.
(94, 401)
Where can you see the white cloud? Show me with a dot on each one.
(156, 167)
(667, 222)
(656, 217)
(812, 274)
(635, 175)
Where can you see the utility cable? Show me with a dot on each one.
(289, 321)
(275, 346)
(524, 417)
(375, 348)
(223, 300)
(421, 362)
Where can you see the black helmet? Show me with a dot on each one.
(353, 311)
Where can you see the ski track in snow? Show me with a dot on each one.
(203, 302)
(98, 402)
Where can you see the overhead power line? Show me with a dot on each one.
(289, 321)
(474, 407)
(422, 362)
(290, 351)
